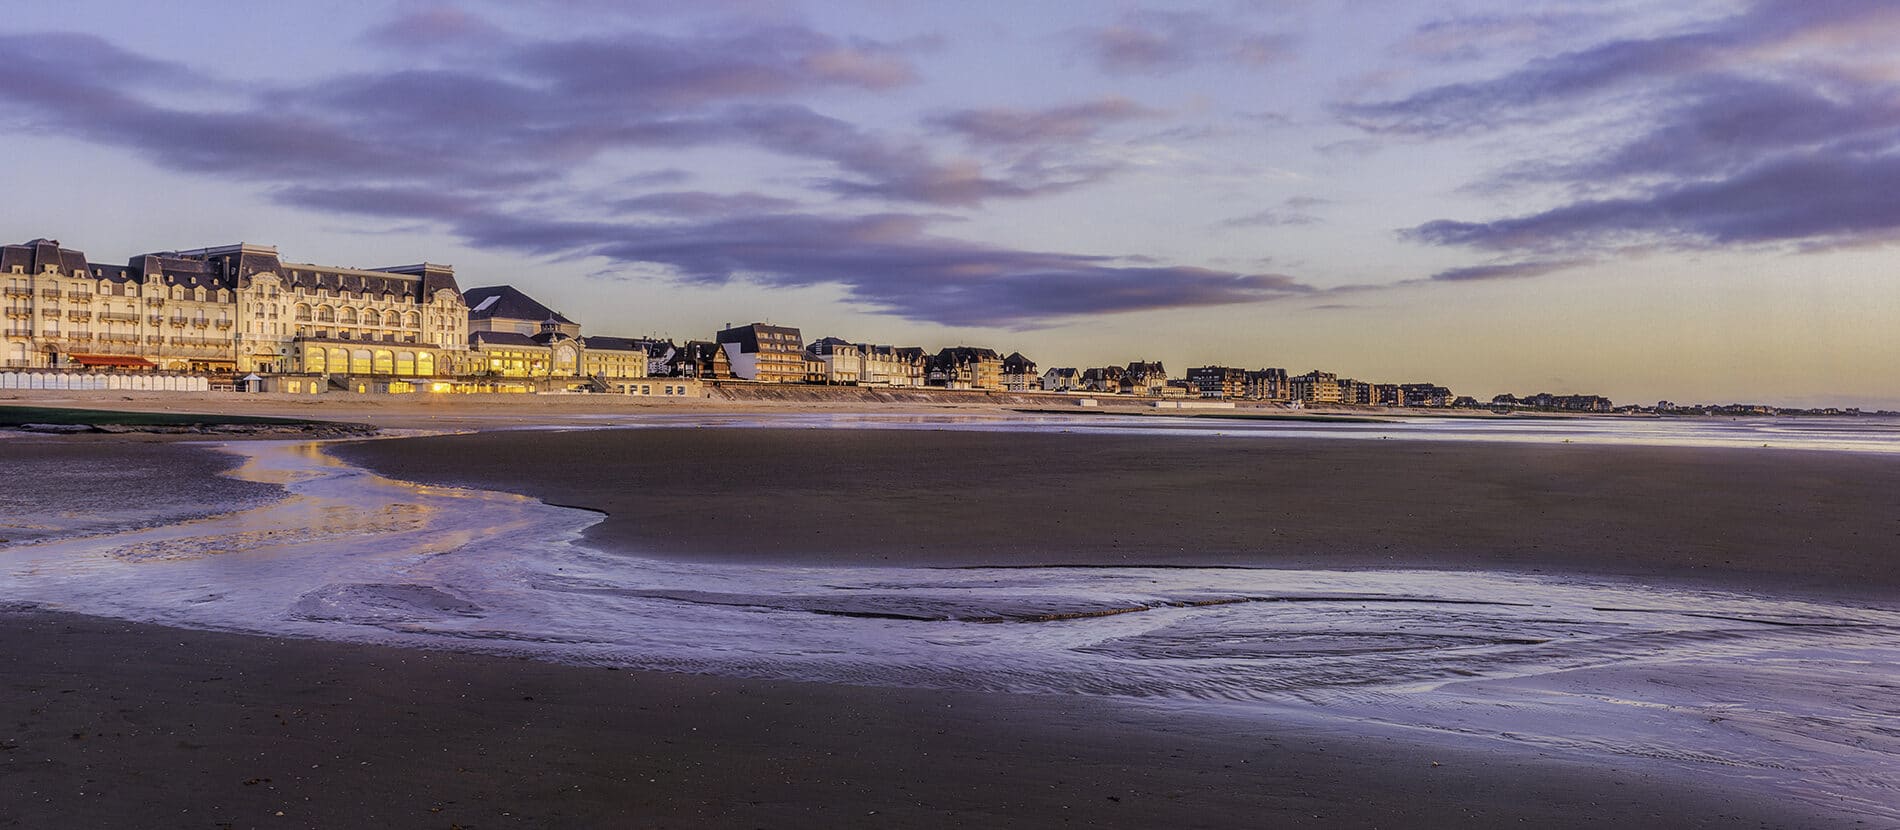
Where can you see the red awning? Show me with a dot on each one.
(110, 360)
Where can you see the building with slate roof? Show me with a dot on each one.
(230, 309)
(765, 353)
(1061, 379)
(1019, 374)
(966, 367)
(512, 336)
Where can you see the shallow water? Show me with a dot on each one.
(1799, 696)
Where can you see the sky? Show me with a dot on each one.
(1693, 201)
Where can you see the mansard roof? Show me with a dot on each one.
(33, 257)
(508, 303)
(502, 338)
(615, 344)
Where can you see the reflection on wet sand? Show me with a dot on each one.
(1794, 695)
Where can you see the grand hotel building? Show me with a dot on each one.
(235, 309)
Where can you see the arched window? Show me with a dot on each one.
(303, 312)
(405, 363)
(326, 314)
(425, 363)
(347, 316)
(360, 362)
(313, 360)
(385, 363)
(411, 320)
(391, 318)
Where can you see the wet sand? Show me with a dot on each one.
(53, 486)
(112, 724)
(116, 724)
(1785, 521)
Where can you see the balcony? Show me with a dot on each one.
(199, 341)
(19, 332)
(79, 296)
(155, 301)
(17, 312)
(121, 316)
(78, 315)
(17, 291)
(224, 324)
(49, 312)
(178, 322)
(118, 338)
(80, 336)
(200, 323)
(153, 340)
(49, 293)
(18, 364)
(155, 319)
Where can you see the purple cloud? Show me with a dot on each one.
(1296, 210)
(1149, 41)
(1507, 270)
(1054, 125)
(891, 263)
(482, 144)
(1816, 200)
(1762, 128)
(694, 203)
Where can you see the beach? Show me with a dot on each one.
(118, 724)
(121, 722)
(1793, 521)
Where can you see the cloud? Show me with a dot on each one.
(1054, 125)
(1471, 37)
(694, 203)
(1157, 42)
(1775, 125)
(1506, 270)
(1816, 200)
(1296, 210)
(520, 113)
(889, 262)
(527, 146)
(1770, 30)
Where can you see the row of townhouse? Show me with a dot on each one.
(1558, 403)
(239, 309)
(1313, 388)
(771, 354)
(1141, 378)
(1231, 383)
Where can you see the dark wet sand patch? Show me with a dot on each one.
(112, 724)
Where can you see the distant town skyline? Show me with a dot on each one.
(1690, 202)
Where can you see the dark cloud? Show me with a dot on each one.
(1777, 125)
(1815, 200)
(1054, 125)
(1540, 89)
(486, 144)
(695, 203)
(892, 263)
(888, 262)
(1150, 41)
(517, 114)
(1506, 270)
